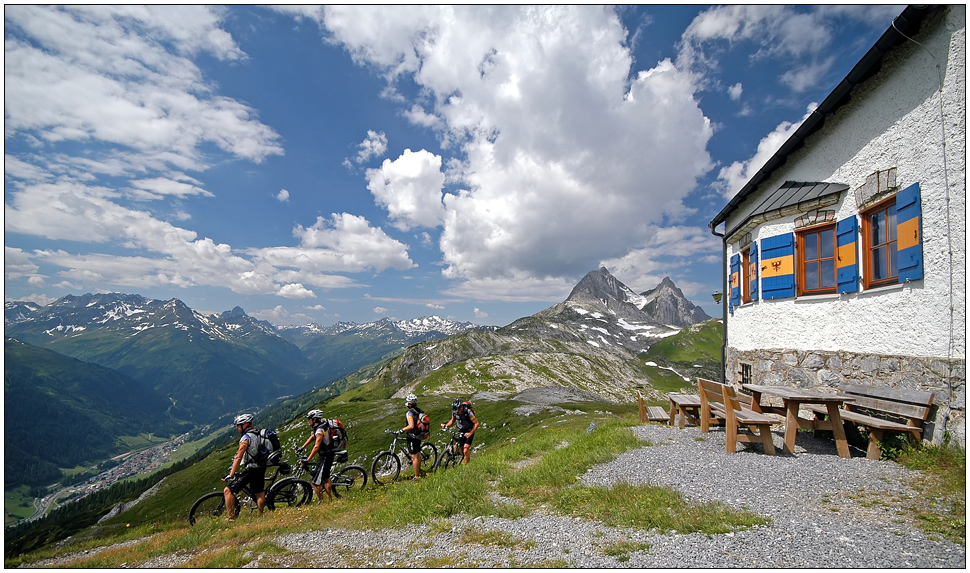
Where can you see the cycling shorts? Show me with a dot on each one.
(414, 445)
(254, 477)
(462, 440)
(322, 475)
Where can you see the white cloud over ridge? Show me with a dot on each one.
(120, 83)
(552, 195)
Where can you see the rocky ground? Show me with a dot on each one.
(825, 511)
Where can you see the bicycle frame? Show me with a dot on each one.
(212, 504)
(452, 453)
(306, 466)
(384, 470)
(348, 477)
(268, 481)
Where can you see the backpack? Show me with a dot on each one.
(268, 451)
(338, 435)
(422, 425)
(463, 415)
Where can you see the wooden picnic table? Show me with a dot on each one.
(792, 399)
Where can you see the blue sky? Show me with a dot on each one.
(350, 163)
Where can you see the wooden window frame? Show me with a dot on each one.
(800, 282)
(867, 281)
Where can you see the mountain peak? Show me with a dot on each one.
(599, 285)
(236, 312)
(667, 304)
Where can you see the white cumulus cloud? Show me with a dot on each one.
(410, 187)
(374, 146)
(295, 290)
(544, 197)
(733, 177)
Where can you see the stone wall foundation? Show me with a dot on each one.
(818, 368)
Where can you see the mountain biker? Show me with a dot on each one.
(412, 433)
(253, 474)
(464, 417)
(321, 444)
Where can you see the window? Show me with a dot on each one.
(745, 373)
(816, 260)
(879, 245)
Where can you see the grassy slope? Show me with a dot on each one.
(534, 469)
(539, 468)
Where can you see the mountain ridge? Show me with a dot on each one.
(595, 340)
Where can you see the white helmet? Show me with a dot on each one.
(411, 399)
(316, 414)
(243, 419)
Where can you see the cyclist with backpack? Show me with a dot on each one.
(416, 431)
(254, 474)
(464, 417)
(322, 442)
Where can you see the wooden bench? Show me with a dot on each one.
(720, 401)
(656, 414)
(650, 413)
(687, 406)
(882, 410)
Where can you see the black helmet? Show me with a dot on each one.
(455, 406)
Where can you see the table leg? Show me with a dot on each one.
(838, 432)
(673, 412)
(791, 425)
(756, 401)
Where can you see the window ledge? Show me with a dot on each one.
(882, 289)
(805, 298)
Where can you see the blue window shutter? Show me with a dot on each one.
(847, 277)
(736, 280)
(909, 234)
(778, 266)
(753, 271)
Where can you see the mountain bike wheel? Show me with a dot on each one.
(210, 507)
(386, 468)
(350, 478)
(447, 460)
(429, 455)
(289, 492)
(442, 462)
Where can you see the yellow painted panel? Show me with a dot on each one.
(778, 267)
(846, 255)
(907, 234)
(734, 280)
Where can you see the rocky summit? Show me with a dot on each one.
(667, 304)
(595, 340)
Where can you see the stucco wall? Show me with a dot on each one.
(892, 121)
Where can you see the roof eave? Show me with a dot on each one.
(909, 21)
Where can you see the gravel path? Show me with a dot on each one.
(826, 512)
(821, 507)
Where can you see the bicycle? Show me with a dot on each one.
(347, 479)
(452, 454)
(387, 464)
(288, 491)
